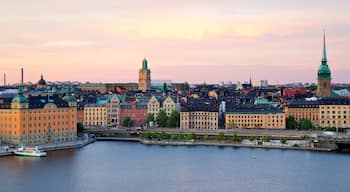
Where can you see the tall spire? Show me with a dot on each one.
(324, 56)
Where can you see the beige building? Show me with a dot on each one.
(335, 113)
(327, 112)
(199, 116)
(103, 113)
(304, 110)
(255, 118)
(155, 104)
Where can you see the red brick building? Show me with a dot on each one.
(137, 112)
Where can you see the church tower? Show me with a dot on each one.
(324, 88)
(144, 76)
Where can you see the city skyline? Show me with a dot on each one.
(183, 41)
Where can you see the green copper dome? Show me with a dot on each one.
(69, 96)
(323, 71)
(145, 65)
(20, 98)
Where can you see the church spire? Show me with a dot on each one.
(324, 56)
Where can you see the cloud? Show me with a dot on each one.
(68, 43)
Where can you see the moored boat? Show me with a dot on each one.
(29, 151)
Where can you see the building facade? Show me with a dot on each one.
(155, 104)
(324, 87)
(304, 110)
(144, 76)
(103, 113)
(335, 112)
(38, 120)
(255, 118)
(137, 112)
(203, 116)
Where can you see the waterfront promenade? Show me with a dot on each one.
(54, 146)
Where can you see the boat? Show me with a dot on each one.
(29, 151)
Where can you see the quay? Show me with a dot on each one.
(56, 146)
(317, 140)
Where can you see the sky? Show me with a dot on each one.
(183, 40)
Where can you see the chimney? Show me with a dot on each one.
(4, 79)
(22, 80)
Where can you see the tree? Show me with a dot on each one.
(283, 140)
(220, 136)
(165, 88)
(305, 124)
(291, 123)
(185, 87)
(162, 119)
(266, 138)
(127, 122)
(149, 118)
(80, 127)
(236, 138)
(174, 119)
(251, 138)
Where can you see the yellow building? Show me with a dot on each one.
(202, 116)
(38, 120)
(304, 110)
(104, 113)
(95, 115)
(255, 118)
(327, 112)
(334, 112)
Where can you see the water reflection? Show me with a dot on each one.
(121, 166)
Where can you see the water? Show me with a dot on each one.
(123, 166)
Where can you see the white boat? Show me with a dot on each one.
(29, 151)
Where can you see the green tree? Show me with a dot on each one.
(266, 138)
(305, 124)
(174, 137)
(236, 138)
(165, 88)
(220, 136)
(283, 140)
(162, 119)
(80, 127)
(185, 87)
(206, 137)
(291, 123)
(251, 138)
(149, 118)
(127, 122)
(174, 119)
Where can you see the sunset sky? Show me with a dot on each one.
(183, 40)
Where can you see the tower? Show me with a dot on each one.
(22, 76)
(324, 88)
(144, 76)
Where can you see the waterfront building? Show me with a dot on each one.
(136, 111)
(255, 118)
(103, 113)
(38, 120)
(144, 76)
(200, 116)
(304, 110)
(324, 88)
(155, 104)
(327, 112)
(334, 112)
